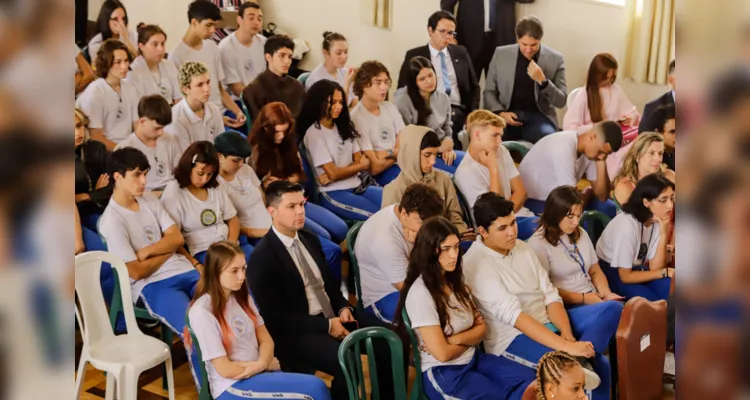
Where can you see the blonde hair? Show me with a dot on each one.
(629, 168)
(552, 366)
(77, 113)
(483, 118)
(190, 70)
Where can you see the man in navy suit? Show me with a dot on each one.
(665, 99)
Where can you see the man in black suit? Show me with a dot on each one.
(298, 298)
(455, 73)
(665, 99)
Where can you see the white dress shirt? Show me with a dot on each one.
(455, 95)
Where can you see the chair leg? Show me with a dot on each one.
(166, 337)
(170, 377)
(128, 385)
(109, 393)
(81, 374)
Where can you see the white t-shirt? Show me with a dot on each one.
(208, 54)
(245, 193)
(164, 82)
(622, 240)
(473, 178)
(504, 286)
(127, 231)
(383, 255)
(96, 42)
(554, 162)
(324, 145)
(320, 73)
(108, 110)
(205, 326)
(162, 158)
(423, 312)
(201, 222)
(563, 263)
(377, 132)
(187, 127)
(241, 63)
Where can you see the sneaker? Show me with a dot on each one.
(592, 379)
(669, 364)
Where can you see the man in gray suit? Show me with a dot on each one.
(525, 83)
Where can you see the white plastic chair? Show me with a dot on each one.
(572, 95)
(123, 357)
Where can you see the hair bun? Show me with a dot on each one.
(326, 33)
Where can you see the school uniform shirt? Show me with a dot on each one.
(201, 222)
(473, 178)
(553, 162)
(205, 326)
(96, 42)
(162, 158)
(423, 312)
(563, 263)
(377, 132)
(320, 73)
(108, 110)
(245, 193)
(242, 63)
(208, 54)
(504, 286)
(624, 239)
(382, 254)
(126, 232)
(162, 82)
(325, 145)
(187, 127)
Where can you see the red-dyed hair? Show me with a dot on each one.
(281, 160)
(600, 65)
(218, 257)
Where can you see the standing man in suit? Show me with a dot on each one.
(453, 67)
(525, 83)
(298, 298)
(665, 99)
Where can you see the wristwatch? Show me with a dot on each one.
(664, 273)
(390, 152)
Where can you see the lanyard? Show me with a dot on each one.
(575, 254)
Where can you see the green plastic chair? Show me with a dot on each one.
(246, 111)
(417, 391)
(518, 147)
(302, 78)
(465, 209)
(594, 222)
(351, 362)
(351, 238)
(86, 55)
(205, 391)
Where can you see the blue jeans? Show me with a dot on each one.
(651, 291)
(385, 308)
(325, 223)
(526, 226)
(486, 376)
(388, 175)
(535, 126)
(450, 169)
(607, 207)
(278, 385)
(348, 205)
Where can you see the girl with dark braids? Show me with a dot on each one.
(560, 377)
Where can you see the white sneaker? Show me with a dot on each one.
(669, 364)
(592, 379)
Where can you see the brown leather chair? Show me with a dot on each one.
(530, 392)
(641, 348)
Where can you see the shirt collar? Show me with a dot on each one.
(434, 52)
(673, 98)
(285, 240)
(494, 254)
(194, 119)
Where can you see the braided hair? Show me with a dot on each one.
(551, 368)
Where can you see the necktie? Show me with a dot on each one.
(446, 78)
(493, 14)
(315, 284)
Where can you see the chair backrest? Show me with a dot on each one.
(351, 239)
(594, 222)
(311, 183)
(465, 209)
(641, 349)
(572, 95)
(302, 78)
(417, 391)
(93, 318)
(350, 360)
(205, 390)
(518, 148)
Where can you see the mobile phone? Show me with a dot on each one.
(351, 326)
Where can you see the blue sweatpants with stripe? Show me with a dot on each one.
(246, 247)
(348, 205)
(278, 385)
(651, 291)
(388, 175)
(325, 223)
(385, 308)
(486, 377)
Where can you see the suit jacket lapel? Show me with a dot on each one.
(287, 263)
(509, 70)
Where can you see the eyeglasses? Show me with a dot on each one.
(446, 32)
(378, 82)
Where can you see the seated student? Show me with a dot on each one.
(302, 305)
(242, 51)
(195, 118)
(161, 149)
(643, 158)
(633, 247)
(234, 341)
(565, 251)
(274, 84)
(417, 157)
(245, 192)
(667, 99)
(275, 157)
(564, 158)
(663, 121)
(110, 102)
(112, 23)
(333, 67)
(84, 73)
(560, 377)
(601, 100)
(525, 83)
(422, 104)
(377, 121)
(198, 205)
(330, 140)
(197, 46)
(449, 325)
(384, 244)
(138, 230)
(93, 187)
(150, 72)
(524, 312)
(488, 167)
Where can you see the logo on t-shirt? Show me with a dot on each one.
(163, 91)
(212, 131)
(120, 113)
(149, 233)
(208, 217)
(384, 134)
(249, 65)
(239, 326)
(161, 169)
